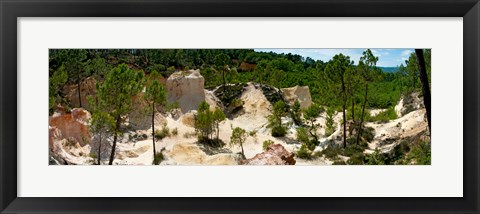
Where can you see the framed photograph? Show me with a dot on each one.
(239, 106)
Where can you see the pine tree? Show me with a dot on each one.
(155, 94)
(368, 64)
(335, 72)
(115, 97)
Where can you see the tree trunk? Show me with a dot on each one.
(224, 83)
(243, 153)
(353, 109)
(344, 128)
(359, 133)
(425, 85)
(78, 89)
(99, 149)
(112, 154)
(153, 129)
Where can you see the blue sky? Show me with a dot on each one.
(386, 57)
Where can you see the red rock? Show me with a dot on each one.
(276, 154)
(72, 126)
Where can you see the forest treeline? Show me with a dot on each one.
(243, 65)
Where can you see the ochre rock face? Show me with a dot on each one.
(72, 126)
(276, 154)
(300, 93)
(87, 88)
(186, 88)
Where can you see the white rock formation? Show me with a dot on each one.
(300, 93)
(186, 88)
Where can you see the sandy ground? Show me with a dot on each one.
(182, 150)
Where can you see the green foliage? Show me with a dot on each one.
(331, 152)
(158, 158)
(175, 132)
(56, 82)
(203, 120)
(266, 144)
(421, 153)
(163, 133)
(238, 137)
(155, 93)
(384, 116)
(304, 152)
(218, 116)
(358, 113)
(275, 120)
(295, 112)
(306, 138)
(207, 123)
(114, 95)
(116, 92)
(330, 123)
(375, 158)
(356, 159)
(97, 67)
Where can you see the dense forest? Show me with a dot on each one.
(339, 85)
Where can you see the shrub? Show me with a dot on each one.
(275, 120)
(164, 132)
(253, 133)
(339, 162)
(158, 158)
(175, 132)
(279, 131)
(330, 123)
(352, 150)
(304, 152)
(266, 144)
(421, 153)
(385, 116)
(331, 152)
(376, 158)
(356, 159)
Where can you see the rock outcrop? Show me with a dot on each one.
(276, 154)
(186, 88)
(300, 93)
(72, 126)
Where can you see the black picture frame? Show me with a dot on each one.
(10, 10)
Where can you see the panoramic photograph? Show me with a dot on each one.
(356, 106)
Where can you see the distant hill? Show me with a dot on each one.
(388, 69)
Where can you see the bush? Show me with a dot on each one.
(376, 158)
(356, 159)
(340, 162)
(266, 144)
(352, 150)
(331, 152)
(385, 116)
(275, 120)
(164, 132)
(279, 131)
(253, 133)
(158, 158)
(175, 132)
(421, 153)
(304, 152)
(330, 123)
